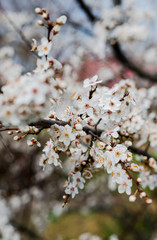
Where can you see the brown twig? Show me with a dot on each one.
(94, 132)
(87, 10)
(120, 55)
(117, 2)
(140, 152)
(44, 124)
(8, 129)
(93, 90)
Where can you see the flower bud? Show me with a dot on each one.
(18, 131)
(17, 138)
(128, 143)
(36, 130)
(38, 144)
(139, 179)
(109, 148)
(61, 20)
(56, 29)
(45, 16)
(142, 194)
(148, 200)
(64, 196)
(83, 163)
(26, 129)
(10, 132)
(30, 143)
(132, 198)
(40, 23)
(38, 10)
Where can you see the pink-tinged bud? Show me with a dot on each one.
(148, 200)
(10, 132)
(38, 11)
(18, 131)
(132, 198)
(45, 16)
(142, 194)
(40, 23)
(77, 144)
(83, 163)
(17, 138)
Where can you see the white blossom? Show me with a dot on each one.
(71, 189)
(91, 81)
(45, 47)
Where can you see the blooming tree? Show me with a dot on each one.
(95, 126)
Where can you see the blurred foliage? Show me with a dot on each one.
(130, 221)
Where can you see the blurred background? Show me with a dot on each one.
(122, 44)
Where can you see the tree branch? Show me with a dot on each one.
(94, 132)
(141, 152)
(117, 2)
(48, 123)
(20, 33)
(119, 54)
(79, 27)
(87, 10)
(8, 129)
(44, 124)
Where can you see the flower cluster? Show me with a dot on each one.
(29, 101)
(111, 160)
(50, 156)
(73, 184)
(122, 24)
(97, 127)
